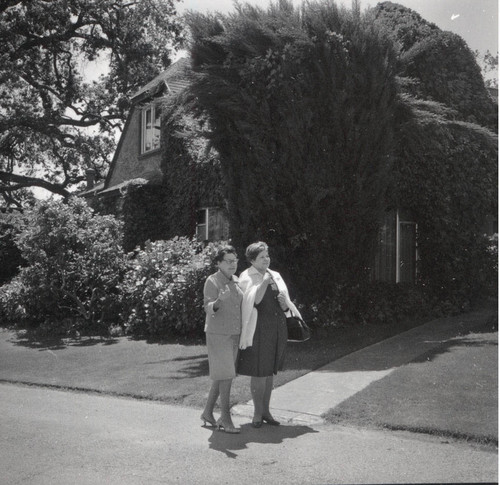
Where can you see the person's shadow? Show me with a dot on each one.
(230, 443)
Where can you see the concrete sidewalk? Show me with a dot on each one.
(306, 399)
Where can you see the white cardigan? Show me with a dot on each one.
(249, 281)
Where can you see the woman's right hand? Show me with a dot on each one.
(224, 294)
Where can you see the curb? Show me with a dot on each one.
(283, 415)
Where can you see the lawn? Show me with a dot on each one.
(171, 372)
(450, 391)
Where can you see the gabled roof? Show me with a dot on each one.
(174, 78)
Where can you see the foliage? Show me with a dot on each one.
(372, 303)
(446, 156)
(309, 111)
(144, 214)
(310, 127)
(193, 168)
(441, 63)
(74, 262)
(49, 102)
(290, 93)
(10, 255)
(405, 26)
(163, 290)
(447, 176)
(489, 67)
(78, 279)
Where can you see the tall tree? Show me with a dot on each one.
(440, 64)
(301, 104)
(55, 122)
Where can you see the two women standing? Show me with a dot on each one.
(263, 301)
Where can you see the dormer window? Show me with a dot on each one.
(150, 135)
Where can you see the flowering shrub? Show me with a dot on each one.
(74, 262)
(163, 290)
(78, 279)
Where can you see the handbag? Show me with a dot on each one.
(298, 331)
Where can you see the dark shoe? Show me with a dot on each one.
(256, 424)
(209, 420)
(270, 420)
(227, 428)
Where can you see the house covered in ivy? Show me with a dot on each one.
(166, 178)
(149, 183)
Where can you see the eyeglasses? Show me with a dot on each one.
(231, 261)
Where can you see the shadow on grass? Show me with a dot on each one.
(425, 398)
(472, 340)
(424, 344)
(177, 359)
(229, 444)
(196, 366)
(34, 340)
(37, 340)
(172, 340)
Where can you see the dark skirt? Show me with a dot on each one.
(267, 354)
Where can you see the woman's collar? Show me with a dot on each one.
(253, 271)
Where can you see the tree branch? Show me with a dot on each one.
(26, 181)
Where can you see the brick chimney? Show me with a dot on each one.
(90, 173)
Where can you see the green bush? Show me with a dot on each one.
(10, 255)
(374, 303)
(163, 290)
(79, 280)
(74, 263)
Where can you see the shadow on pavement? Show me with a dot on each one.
(230, 443)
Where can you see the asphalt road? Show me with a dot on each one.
(58, 437)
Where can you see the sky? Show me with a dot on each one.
(476, 21)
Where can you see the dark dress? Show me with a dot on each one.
(267, 353)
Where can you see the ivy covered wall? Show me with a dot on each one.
(191, 181)
(192, 174)
(446, 175)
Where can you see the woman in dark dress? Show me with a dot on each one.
(263, 338)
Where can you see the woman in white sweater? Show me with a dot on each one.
(266, 303)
